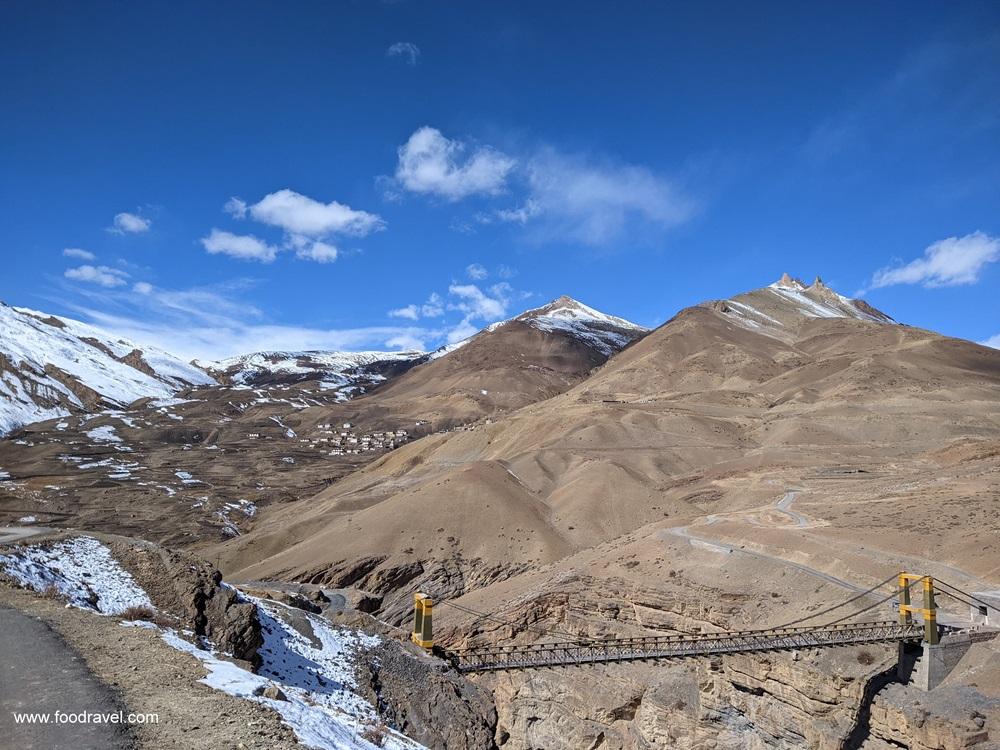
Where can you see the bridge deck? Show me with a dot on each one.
(666, 647)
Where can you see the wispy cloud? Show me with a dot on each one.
(128, 223)
(407, 51)
(476, 271)
(100, 275)
(431, 164)
(215, 322)
(955, 261)
(993, 341)
(242, 246)
(236, 207)
(432, 308)
(942, 89)
(578, 198)
(596, 201)
(472, 306)
(76, 252)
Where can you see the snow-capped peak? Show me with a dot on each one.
(788, 300)
(790, 282)
(607, 334)
(569, 309)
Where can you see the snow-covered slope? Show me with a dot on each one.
(788, 302)
(52, 366)
(606, 333)
(331, 369)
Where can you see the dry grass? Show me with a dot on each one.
(144, 613)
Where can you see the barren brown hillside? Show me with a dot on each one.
(746, 465)
(687, 421)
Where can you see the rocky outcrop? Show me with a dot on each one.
(392, 580)
(950, 718)
(426, 700)
(193, 590)
(763, 702)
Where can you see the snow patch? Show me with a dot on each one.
(105, 434)
(316, 675)
(82, 570)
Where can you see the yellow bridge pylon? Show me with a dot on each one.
(423, 627)
(928, 611)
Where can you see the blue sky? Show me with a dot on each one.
(226, 177)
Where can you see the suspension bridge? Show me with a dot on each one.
(575, 650)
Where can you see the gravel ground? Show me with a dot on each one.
(145, 675)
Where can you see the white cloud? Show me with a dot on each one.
(432, 308)
(955, 261)
(520, 215)
(236, 207)
(243, 246)
(406, 341)
(406, 50)
(76, 252)
(126, 223)
(595, 203)
(506, 272)
(308, 224)
(102, 275)
(410, 312)
(302, 215)
(476, 271)
(476, 304)
(993, 341)
(431, 164)
(462, 331)
(142, 287)
(321, 252)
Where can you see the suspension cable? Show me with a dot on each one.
(579, 638)
(881, 601)
(966, 593)
(853, 599)
(512, 625)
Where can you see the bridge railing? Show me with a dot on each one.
(668, 646)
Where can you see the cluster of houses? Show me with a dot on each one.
(345, 441)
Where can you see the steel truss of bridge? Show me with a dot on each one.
(498, 658)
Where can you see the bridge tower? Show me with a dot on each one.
(423, 630)
(928, 611)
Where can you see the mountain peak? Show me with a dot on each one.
(605, 333)
(788, 301)
(789, 282)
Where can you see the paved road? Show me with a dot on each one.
(785, 506)
(39, 673)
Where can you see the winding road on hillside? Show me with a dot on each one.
(799, 521)
(784, 506)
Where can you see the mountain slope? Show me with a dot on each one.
(788, 303)
(693, 414)
(508, 365)
(52, 366)
(195, 469)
